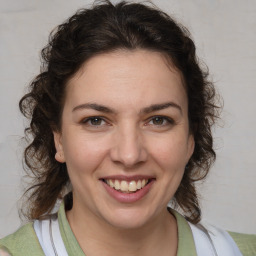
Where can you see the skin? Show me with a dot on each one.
(128, 140)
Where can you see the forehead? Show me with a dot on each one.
(133, 76)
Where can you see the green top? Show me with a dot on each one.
(24, 242)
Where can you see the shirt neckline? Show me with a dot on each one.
(186, 245)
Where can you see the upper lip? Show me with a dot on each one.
(128, 178)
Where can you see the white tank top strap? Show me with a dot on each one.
(212, 241)
(48, 233)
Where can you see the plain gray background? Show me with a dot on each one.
(225, 35)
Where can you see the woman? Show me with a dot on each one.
(121, 119)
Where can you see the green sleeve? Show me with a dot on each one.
(246, 243)
(4, 251)
(23, 242)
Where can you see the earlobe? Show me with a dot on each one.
(59, 156)
(191, 146)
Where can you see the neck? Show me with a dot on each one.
(158, 235)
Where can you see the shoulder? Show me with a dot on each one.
(245, 242)
(223, 242)
(23, 242)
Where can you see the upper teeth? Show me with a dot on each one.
(127, 186)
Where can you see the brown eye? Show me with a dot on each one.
(95, 121)
(158, 120)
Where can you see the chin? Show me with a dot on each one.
(129, 219)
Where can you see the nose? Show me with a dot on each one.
(128, 148)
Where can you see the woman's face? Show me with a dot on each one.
(125, 137)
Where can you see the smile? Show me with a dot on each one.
(127, 186)
(128, 189)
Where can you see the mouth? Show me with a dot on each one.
(127, 187)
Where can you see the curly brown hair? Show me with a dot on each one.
(104, 28)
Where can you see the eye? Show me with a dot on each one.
(94, 121)
(160, 121)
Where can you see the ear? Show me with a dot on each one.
(59, 156)
(191, 146)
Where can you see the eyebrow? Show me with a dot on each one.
(146, 110)
(98, 107)
(156, 107)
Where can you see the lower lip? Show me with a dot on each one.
(128, 197)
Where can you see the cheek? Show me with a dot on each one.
(170, 152)
(170, 157)
(84, 155)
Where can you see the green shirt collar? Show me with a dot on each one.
(68, 237)
(186, 244)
